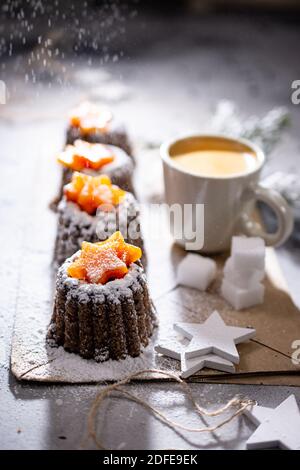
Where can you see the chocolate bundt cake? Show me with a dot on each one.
(84, 220)
(102, 309)
(96, 124)
(97, 159)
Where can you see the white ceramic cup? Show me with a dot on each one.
(228, 201)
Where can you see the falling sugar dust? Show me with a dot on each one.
(62, 44)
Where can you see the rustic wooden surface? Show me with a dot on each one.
(187, 69)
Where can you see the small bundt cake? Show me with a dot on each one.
(92, 209)
(96, 124)
(102, 309)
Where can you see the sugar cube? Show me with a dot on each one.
(243, 278)
(196, 271)
(242, 298)
(248, 252)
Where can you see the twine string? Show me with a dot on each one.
(241, 403)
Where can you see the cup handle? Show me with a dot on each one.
(283, 213)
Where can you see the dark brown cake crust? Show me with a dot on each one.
(102, 322)
(76, 226)
(117, 136)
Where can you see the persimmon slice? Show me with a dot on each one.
(93, 192)
(101, 262)
(126, 252)
(83, 155)
(90, 118)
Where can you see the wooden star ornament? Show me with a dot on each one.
(278, 427)
(172, 348)
(213, 336)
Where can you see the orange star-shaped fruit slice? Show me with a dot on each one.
(101, 262)
(83, 155)
(90, 117)
(93, 192)
(125, 251)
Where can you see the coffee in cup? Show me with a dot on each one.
(220, 175)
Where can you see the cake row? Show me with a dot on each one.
(102, 308)
(96, 196)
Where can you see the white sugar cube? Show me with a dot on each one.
(196, 271)
(248, 252)
(242, 298)
(244, 278)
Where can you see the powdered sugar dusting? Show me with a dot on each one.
(34, 359)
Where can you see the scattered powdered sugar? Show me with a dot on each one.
(2, 354)
(33, 359)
